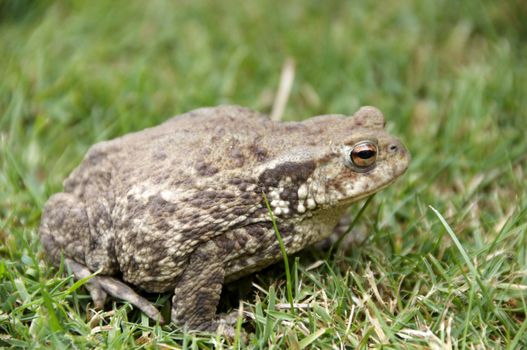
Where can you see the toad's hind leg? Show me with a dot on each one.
(65, 230)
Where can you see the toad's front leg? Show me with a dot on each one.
(198, 290)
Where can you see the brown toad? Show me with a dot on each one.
(179, 207)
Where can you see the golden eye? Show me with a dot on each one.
(364, 154)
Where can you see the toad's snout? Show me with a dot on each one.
(398, 151)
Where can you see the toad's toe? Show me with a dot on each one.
(120, 290)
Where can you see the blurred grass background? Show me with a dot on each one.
(450, 77)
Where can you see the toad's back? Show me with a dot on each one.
(205, 143)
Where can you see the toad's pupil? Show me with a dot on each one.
(366, 154)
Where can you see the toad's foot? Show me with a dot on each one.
(227, 322)
(224, 324)
(231, 318)
(99, 286)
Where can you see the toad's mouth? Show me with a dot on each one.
(380, 188)
(349, 201)
(368, 193)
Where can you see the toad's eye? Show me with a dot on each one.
(364, 154)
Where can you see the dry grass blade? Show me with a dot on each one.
(287, 78)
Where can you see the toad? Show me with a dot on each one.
(180, 207)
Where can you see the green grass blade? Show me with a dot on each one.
(461, 250)
(337, 244)
(289, 282)
(312, 337)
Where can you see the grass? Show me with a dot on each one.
(450, 77)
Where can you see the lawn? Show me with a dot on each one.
(442, 257)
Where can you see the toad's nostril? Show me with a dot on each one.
(393, 148)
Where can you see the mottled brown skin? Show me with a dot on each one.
(179, 207)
